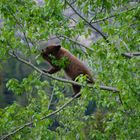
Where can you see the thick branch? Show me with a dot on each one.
(130, 55)
(87, 22)
(44, 117)
(61, 79)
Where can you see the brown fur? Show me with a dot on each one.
(74, 68)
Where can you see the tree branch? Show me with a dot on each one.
(87, 22)
(111, 16)
(21, 27)
(44, 117)
(74, 41)
(130, 55)
(51, 98)
(108, 88)
(56, 111)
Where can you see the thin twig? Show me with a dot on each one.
(87, 22)
(74, 41)
(21, 26)
(44, 117)
(111, 16)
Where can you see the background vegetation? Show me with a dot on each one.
(105, 35)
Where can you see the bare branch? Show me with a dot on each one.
(61, 79)
(87, 22)
(130, 54)
(44, 117)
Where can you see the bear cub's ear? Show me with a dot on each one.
(58, 47)
(55, 49)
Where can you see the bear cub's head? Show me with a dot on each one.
(50, 50)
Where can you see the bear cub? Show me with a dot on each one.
(72, 66)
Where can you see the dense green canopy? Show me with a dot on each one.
(105, 35)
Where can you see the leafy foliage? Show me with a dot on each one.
(61, 63)
(116, 115)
